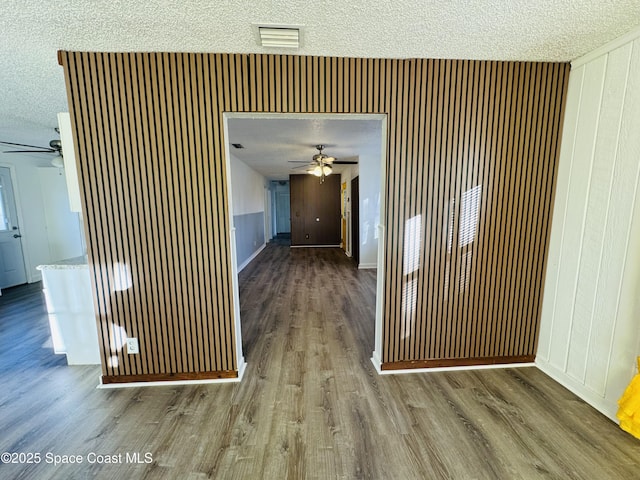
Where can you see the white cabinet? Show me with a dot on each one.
(72, 319)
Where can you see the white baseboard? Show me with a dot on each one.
(377, 363)
(248, 260)
(366, 266)
(607, 407)
(242, 366)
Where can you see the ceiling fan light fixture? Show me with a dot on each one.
(58, 161)
(321, 164)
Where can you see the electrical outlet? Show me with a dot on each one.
(132, 346)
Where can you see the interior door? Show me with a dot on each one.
(355, 219)
(343, 207)
(12, 270)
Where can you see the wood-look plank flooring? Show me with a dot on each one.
(310, 405)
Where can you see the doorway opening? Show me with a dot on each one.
(355, 218)
(275, 146)
(280, 191)
(12, 264)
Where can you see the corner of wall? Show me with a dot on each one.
(588, 325)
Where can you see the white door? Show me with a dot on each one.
(12, 271)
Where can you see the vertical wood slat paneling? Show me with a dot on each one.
(144, 122)
(149, 131)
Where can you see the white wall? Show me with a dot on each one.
(589, 332)
(64, 229)
(247, 187)
(369, 169)
(346, 176)
(369, 186)
(248, 209)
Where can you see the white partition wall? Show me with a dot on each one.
(590, 325)
(248, 202)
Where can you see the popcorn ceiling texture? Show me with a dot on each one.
(32, 87)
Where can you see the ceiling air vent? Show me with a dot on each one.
(281, 37)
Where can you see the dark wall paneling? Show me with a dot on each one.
(471, 159)
(311, 201)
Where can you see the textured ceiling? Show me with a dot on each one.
(272, 142)
(32, 87)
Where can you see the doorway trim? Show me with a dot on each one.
(382, 117)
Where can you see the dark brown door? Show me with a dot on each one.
(355, 220)
(315, 210)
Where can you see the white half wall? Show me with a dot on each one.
(248, 208)
(589, 334)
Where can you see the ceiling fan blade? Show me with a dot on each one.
(302, 166)
(50, 150)
(344, 162)
(297, 161)
(25, 145)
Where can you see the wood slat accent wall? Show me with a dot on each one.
(470, 198)
(467, 140)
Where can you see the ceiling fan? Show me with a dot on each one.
(321, 165)
(55, 146)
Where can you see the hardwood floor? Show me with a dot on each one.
(310, 405)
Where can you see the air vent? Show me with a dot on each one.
(237, 145)
(279, 37)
